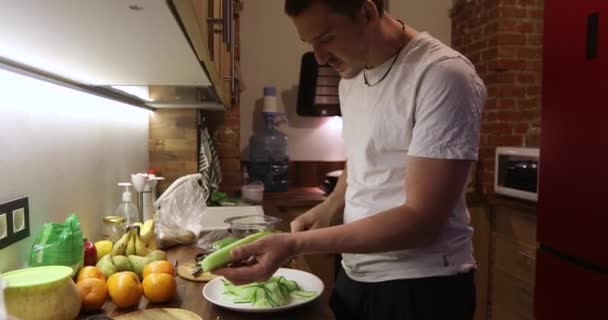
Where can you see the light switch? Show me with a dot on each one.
(14, 221)
(3, 226)
(18, 220)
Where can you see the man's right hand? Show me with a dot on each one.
(322, 214)
(307, 221)
(316, 218)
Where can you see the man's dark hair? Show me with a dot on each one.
(349, 8)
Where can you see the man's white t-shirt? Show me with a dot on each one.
(429, 105)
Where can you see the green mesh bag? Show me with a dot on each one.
(59, 244)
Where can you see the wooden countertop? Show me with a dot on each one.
(295, 197)
(189, 294)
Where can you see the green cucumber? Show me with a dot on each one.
(218, 244)
(221, 257)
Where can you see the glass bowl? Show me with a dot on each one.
(243, 226)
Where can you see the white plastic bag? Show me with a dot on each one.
(180, 217)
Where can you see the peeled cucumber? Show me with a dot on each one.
(218, 244)
(221, 257)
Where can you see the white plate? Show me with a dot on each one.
(213, 291)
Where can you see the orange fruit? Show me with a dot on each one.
(90, 272)
(93, 292)
(160, 266)
(125, 289)
(159, 287)
(117, 275)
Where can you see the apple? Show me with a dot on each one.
(90, 253)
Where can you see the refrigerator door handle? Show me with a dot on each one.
(527, 255)
(528, 259)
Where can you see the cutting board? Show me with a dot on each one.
(185, 271)
(160, 314)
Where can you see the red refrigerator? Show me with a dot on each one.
(572, 260)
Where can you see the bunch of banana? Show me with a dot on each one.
(146, 232)
(130, 244)
(120, 246)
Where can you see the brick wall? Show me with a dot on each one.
(225, 132)
(173, 144)
(503, 38)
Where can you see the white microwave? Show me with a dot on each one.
(516, 172)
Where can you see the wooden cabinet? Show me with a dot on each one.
(480, 221)
(210, 27)
(219, 20)
(513, 256)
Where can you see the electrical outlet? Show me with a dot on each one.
(3, 226)
(16, 220)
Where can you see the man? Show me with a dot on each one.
(411, 108)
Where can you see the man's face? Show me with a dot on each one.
(336, 39)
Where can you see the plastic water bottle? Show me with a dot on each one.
(268, 158)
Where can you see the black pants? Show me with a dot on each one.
(435, 298)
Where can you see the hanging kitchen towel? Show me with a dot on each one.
(208, 163)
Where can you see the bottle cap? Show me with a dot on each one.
(126, 196)
(114, 219)
(270, 91)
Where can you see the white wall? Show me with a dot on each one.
(423, 15)
(270, 54)
(271, 51)
(65, 150)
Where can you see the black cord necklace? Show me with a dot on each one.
(389, 68)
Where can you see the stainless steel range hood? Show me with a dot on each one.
(136, 50)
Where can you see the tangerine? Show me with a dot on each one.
(117, 275)
(93, 292)
(90, 272)
(125, 289)
(159, 287)
(160, 266)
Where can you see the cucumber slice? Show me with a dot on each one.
(275, 292)
(260, 298)
(303, 294)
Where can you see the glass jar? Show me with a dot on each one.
(113, 228)
(243, 226)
